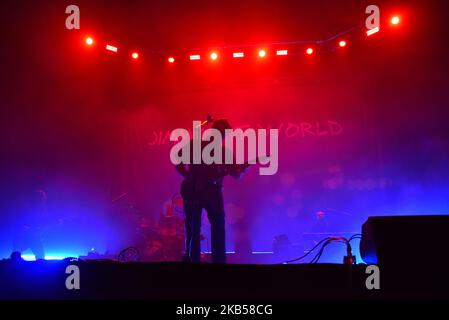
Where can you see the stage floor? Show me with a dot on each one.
(181, 281)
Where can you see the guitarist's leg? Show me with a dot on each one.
(216, 215)
(193, 231)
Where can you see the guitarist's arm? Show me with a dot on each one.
(238, 170)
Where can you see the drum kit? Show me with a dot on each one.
(160, 240)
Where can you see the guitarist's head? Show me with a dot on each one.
(221, 125)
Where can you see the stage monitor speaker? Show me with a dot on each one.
(395, 241)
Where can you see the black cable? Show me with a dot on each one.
(355, 236)
(324, 243)
(310, 251)
(332, 239)
(320, 252)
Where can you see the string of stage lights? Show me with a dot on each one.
(308, 48)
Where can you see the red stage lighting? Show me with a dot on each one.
(281, 52)
(111, 48)
(342, 43)
(89, 41)
(372, 31)
(171, 59)
(395, 20)
(309, 51)
(262, 53)
(214, 56)
(135, 55)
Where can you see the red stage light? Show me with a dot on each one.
(395, 20)
(372, 31)
(281, 52)
(135, 55)
(214, 56)
(262, 53)
(171, 59)
(342, 43)
(111, 48)
(309, 51)
(89, 41)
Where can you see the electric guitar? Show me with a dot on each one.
(191, 188)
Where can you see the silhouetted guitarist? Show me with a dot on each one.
(202, 188)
